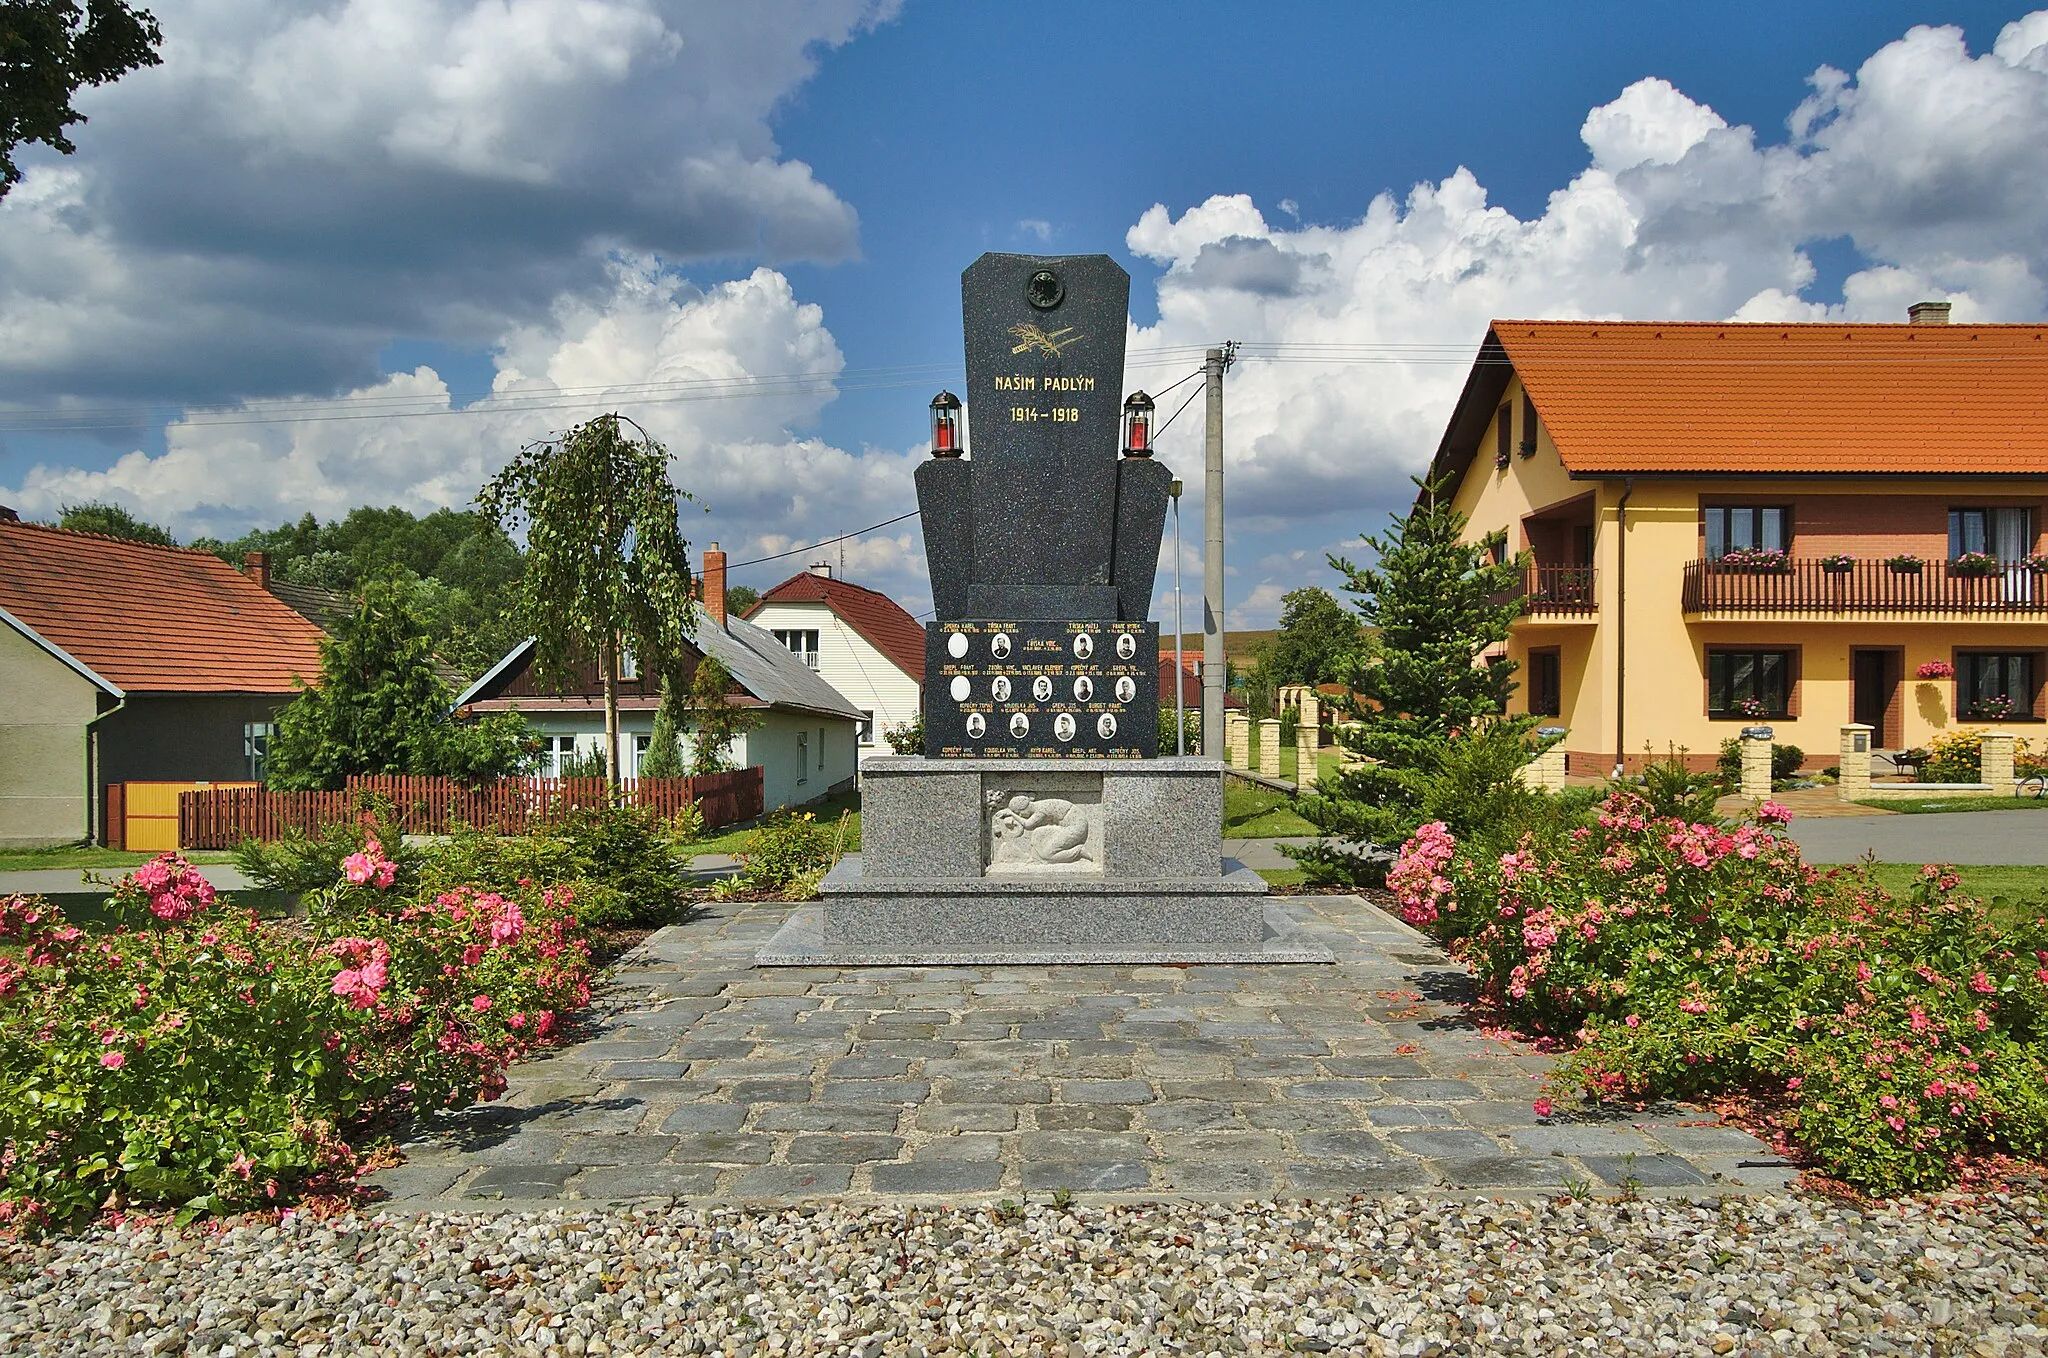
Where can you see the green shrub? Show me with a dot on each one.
(301, 863)
(789, 854)
(199, 1057)
(1685, 959)
(624, 864)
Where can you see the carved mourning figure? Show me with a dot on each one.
(1027, 832)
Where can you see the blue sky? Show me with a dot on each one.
(357, 252)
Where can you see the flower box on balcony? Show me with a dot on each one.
(1936, 669)
(1753, 561)
(1838, 565)
(1905, 565)
(2038, 564)
(1974, 563)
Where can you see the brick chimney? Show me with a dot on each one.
(256, 565)
(714, 584)
(1928, 313)
(821, 569)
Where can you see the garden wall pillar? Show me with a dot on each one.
(1269, 746)
(1995, 760)
(1756, 761)
(1854, 782)
(1546, 770)
(1237, 739)
(1308, 743)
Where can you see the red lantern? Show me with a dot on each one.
(946, 441)
(1138, 425)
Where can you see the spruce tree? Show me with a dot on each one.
(664, 757)
(1430, 721)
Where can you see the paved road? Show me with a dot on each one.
(64, 881)
(1980, 838)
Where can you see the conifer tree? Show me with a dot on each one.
(1430, 722)
(664, 757)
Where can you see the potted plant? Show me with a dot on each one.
(1838, 563)
(1997, 707)
(1974, 563)
(1936, 669)
(2037, 563)
(1905, 563)
(1753, 707)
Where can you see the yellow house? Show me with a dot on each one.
(1797, 526)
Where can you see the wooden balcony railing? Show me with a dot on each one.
(1559, 590)
(1862, 587)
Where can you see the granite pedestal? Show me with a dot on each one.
(1038, 861)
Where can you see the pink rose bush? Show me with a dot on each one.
(199, 1055)
(1891, 1038)
(370, 867)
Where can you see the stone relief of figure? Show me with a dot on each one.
(1027, 831)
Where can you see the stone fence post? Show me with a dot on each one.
(1269, 746)
(1995, 761)
(1237, 739)
(1854, 782)
(1308, 743)
(1756, 761)
(1546, 770)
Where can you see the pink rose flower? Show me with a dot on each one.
(113, 1060)
(1544, 1108)
(1774, 813)
(480, 1003)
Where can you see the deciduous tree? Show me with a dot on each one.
(48, 50)
(606, 561)
(379, 706)
(715, 721)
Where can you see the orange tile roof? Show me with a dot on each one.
(874, 615)
(153, 619)
(1662, 396)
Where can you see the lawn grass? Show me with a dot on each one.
(1283, 876)
(1252, 811)
(86, 856)
(1917, 806)
(732, 838)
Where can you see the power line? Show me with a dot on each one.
(799, 551)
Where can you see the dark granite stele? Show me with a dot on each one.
(1154, 887)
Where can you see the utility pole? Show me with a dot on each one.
(1214, 668)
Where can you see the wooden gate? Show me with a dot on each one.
(148, 814)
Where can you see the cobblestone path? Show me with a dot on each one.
(702, 1076)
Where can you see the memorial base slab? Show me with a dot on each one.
(1031, 862)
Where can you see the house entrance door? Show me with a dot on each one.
(1876, 681)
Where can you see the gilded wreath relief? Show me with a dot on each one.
(1030, 833)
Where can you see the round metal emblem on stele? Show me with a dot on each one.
(1044, 290)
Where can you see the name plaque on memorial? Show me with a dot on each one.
(1042, 689)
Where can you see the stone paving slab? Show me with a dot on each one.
(701, 1076)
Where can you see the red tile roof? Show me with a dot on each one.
(875, 616)
(1190, 684)
(1662, 396)
(153, 619)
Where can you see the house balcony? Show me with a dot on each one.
(1860, 589)
(1560, 593)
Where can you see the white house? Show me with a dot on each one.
(859, 641)
(805, 744)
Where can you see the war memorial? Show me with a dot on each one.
(1039, 825)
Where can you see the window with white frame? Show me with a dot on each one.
(256, 747)
(557, 751)
(801, 641)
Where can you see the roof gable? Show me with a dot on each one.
(877, 618)
(1627, 397)
(153, 619)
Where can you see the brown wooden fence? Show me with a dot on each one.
(220, 818)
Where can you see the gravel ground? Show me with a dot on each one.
(1397, 1275)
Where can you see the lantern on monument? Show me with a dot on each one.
(1138, 425)
(946, 425)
